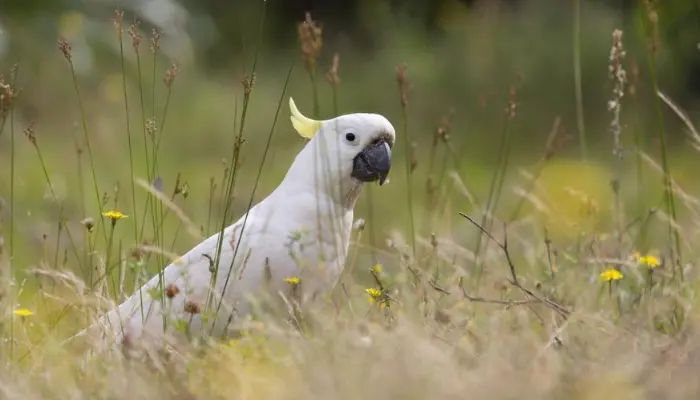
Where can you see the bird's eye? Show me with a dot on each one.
(350, 137)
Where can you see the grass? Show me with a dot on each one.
(552, 301)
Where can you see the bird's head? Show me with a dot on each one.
(356, 146)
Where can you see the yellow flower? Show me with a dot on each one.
(650, 261)
(23, 312)
(375, 295)
(292, 280)
(611, 275)
(114, 215)
(377, 269)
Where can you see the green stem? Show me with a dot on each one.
(238, 142)
(670, 203)
(494, 194)
(255, 185)
(87, 143)
(577, 80)
(409, 185)
(12, 221)
(128, 138)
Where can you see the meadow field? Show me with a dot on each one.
(536, 238)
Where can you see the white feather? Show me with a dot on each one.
(300, 229)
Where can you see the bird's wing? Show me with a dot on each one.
(185, 289)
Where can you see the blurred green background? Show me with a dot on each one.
(462, 58)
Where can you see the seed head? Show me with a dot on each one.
(172, 290)
(653, 26)
(332, 75)
(88, 223)
(192, 308)
(66, 49)
(248, 83)
(155, 41)
(311, 40)
(442, 133)
(181, 187)
(512, 103)
(170, 76)
(135, 36)
(618, 76)
(404, 86)
(29, 133)
(7, 96)
(151, 128)
(118, 22)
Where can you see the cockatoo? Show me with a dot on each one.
(292, 243)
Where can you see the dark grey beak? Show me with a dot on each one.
(373, 163)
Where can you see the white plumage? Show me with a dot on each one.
(301, 229)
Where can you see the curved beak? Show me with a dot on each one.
(373, 163)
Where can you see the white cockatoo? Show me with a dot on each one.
(296, 239)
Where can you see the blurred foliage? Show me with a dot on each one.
(463, 57)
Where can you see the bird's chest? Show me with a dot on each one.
(289, 255)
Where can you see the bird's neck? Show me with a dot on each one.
(316, 171)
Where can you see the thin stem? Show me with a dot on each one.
(494, 193)
(670, 203)
(87, 143)
(149, 177)
(108, 259)
(12, 219)
(238, 142)
(128, 138)
(577, 80)
(255, 185)
(409, 185)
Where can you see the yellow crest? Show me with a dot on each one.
(306, 127)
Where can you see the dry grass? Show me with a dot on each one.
(508, 304)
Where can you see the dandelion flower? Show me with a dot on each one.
(114, 215)
(374, 294)
(377, 269)
(650, 261)
(610, 275)
(292, 280)
(23, 312)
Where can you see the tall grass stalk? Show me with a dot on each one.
(248, 84)
(155, 136)
(637, 133)
(551, 148)
(310, 36)
(618, 77)
(150, 202)
(404, 90)
(580, 120)
(441, 135)
(13, 162)
(496, 185)
(169, 80)
(66, 50)
(649, 20)
(29, 132)
(255, 184)
(81, 176)
(127, 115)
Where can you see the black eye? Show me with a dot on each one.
(350, 137)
